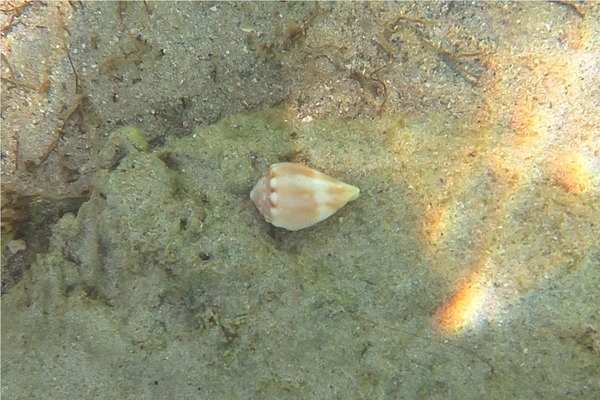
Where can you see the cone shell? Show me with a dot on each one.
(294, 196)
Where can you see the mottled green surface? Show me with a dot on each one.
(169, 274)
(169, 284)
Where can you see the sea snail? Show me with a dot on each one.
(294, 196)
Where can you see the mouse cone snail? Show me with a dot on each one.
(294, 196)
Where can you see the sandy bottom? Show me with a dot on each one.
(135, 265)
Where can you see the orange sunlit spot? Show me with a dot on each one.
(464, 308)
(573, 172)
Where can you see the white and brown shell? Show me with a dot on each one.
(294, 196)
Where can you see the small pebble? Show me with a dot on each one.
(16, 245)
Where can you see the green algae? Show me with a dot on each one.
(169, 274)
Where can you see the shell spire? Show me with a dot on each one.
(294, 196)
